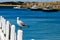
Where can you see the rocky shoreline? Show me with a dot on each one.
(53, 5)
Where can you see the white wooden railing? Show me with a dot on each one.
(7, 31)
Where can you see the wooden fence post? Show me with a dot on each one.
(7, 30)
(4, 26)
(2, 35)
(20, 34)
(12, 37)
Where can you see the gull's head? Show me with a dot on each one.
(17, 18)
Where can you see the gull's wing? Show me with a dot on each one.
(22, 23)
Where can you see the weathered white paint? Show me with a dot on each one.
(2, 35)
(4, 26)
(15, 36)
(7, 30)
(20, 34)
(12, 32)
(2, 22)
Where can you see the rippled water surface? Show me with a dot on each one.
(43, 25)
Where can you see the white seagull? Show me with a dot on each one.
(21, 24)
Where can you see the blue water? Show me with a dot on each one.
(43, 25)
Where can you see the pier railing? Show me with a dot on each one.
(7, 31)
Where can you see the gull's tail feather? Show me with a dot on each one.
(27, 26)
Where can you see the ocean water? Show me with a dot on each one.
(43, 25)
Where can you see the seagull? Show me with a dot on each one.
(21, 24)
